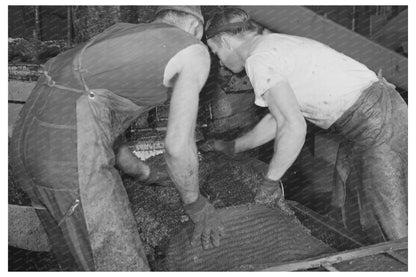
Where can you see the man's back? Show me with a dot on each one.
(325, 82)
(128, 59)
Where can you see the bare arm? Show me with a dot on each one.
(291, 128)
(181, 154)
(263, 132)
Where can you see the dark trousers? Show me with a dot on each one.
(375, 132)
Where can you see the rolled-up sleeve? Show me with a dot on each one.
(264, 72)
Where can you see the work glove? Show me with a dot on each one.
(129, 164)
(208, 226)
(222, 146)
(158, 175)
(271, 193)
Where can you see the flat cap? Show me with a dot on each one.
(192, 10)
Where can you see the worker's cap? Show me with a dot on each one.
(192, 10)
(225, 20)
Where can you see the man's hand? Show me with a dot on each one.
(157, 175)
(208, 226)
(131, 165)
(213, 145)
(271, 193)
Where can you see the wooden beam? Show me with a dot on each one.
(335, 227)
(25, 230)
(329, 267)
(394, 32)
(300, 21)
(342, 256)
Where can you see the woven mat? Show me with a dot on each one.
(256, 236)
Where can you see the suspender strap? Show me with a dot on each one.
(78, 67)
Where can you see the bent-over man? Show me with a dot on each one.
(299, 78)
(63, 141)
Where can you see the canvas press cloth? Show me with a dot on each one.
(256, 237)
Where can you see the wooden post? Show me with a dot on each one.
(69, 26)
(353, 19)
(36, 31)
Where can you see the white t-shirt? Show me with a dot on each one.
(325, 82)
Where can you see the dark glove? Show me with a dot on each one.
(158, 175)
(271, 193)
(208, 226)
(131, 165)
(222, 146)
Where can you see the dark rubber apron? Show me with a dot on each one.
(372, 161)
(82, 204)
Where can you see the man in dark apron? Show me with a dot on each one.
(62, 144)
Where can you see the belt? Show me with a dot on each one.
(51, 83)
(383, 80)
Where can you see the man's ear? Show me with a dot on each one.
(193, 27)
(225, 40)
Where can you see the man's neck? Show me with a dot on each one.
(162, 20)
(245, 47)
(178, 24)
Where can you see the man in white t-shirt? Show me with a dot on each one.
(299, 78)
